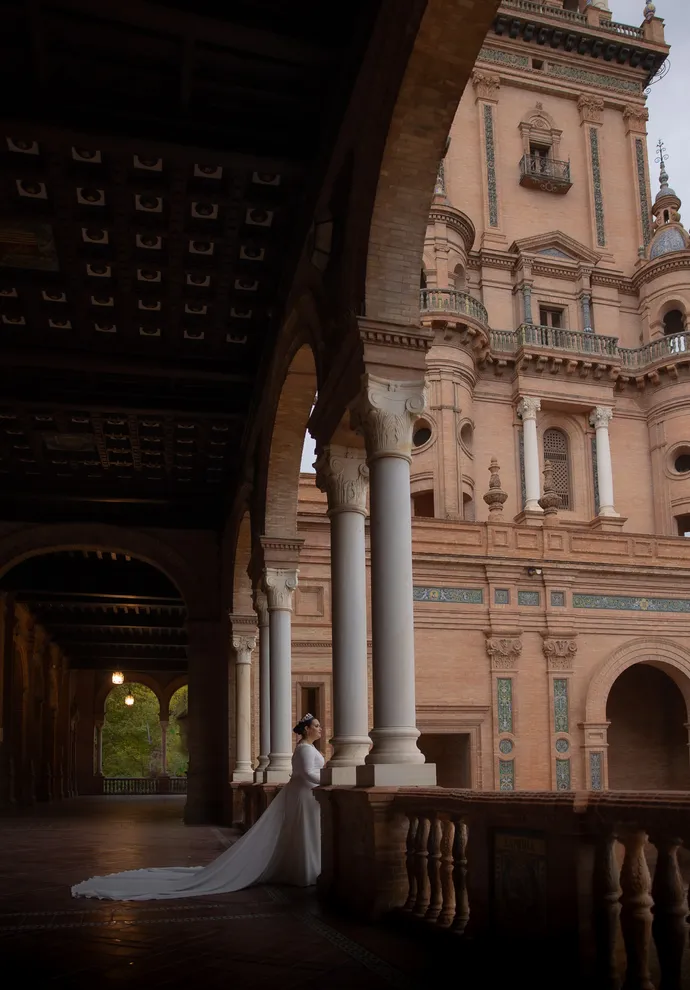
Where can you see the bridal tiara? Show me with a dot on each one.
(305, 718)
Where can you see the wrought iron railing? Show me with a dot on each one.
(544, 168)
(144, 785)
(452, 301)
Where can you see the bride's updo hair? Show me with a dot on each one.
(301, 728)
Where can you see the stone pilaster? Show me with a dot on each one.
(527, 410)
(600, 418)
(261, 609)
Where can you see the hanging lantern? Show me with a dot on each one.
(118, 677)
(129, 700)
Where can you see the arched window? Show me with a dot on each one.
(422, 279)
(556, 451)
(674, 322)
(423, 505)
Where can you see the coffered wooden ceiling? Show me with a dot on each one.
(158, 164)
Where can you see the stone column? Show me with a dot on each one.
(586, 301)
(98, 726)
(600, 419)
(342, 473)
(527, 302)
(527, 410)
(243, 643)
(163, 722)
(280, 584)
(261, 609)
(385, 413)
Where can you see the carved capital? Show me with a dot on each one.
(528, 407)
(280, 584)
(342, 473)
(591, 109)
(486, 84)
(600, 417)
(261, 606)
(243, 645)
(635, 119)
(559, 653)
(384, 414)
(504, 653)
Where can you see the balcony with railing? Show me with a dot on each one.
(534, 9)
(662, 351)
(453, 302)
(546, 174)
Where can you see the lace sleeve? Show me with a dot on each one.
(305, 764)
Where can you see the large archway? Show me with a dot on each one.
(647, 734)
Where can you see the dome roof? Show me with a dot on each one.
(666, 240)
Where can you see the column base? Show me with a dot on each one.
(263, 763)
(396, 775)
(242, 776)
(276, 776)
(260, 776)
(530, 517)
(608, 524)
(339, 776)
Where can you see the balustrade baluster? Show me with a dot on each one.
(422, 867)
(636, 914)
(606, 893)
(411, 862)
(434, 867)
(445, 918)
(669, 926)
(462, 904)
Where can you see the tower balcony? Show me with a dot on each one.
(452, 302)
(546, 174)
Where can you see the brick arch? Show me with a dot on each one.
(663, 654)
(34, 541)
(241, 585)
(138, 678)
(170, 688)
(445, 49)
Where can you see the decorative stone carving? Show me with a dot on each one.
(280, 584)
(528, 407)
(635, 118)
(504, 652)
(384, 414)
(243, 647)
(261, 606)
(559, 653)
(591, 109)
(600, 417)
(342, 473)
(596, 185)
(486, 84)
(495, 497)
(550, 500)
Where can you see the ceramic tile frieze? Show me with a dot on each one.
(504, 697)
(642, 183)
(461, 596)
(491, 164)
(531, 598)
(562, 775)
(592, 78)
(506, 775)
(595, 771)
(503, 58)
(560, 704)
(596, 183)
(624, 603)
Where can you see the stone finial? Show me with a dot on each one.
(550, 500)
(495, 497)
(649, 11)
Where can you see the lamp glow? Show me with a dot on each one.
(118, 677)
(129, 700)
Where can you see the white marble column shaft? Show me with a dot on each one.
(280, 584)
(261, 609)
(600, 418)
(528, 408)
(384, 414)
(243, 646)
(342, 473)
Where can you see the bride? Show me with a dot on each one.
(284, 846)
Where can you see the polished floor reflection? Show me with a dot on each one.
(259, 938)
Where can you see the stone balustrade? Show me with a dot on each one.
(663, 350)
(531, 7)
(453, 301)
(591, 878)
(143, 785)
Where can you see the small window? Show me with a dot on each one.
(538, 63)
(683, 523)
(556, 451)
(423, 505)
(421, 433)
(682, 464)
(674, 322)
(552, 317)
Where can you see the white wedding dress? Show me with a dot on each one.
(284, 846)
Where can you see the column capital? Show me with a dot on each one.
(280, 584)
(260, 606)
(384, 414)
(342, 473)
(280, 551)
(528, 407)
(600, 417)
(243, 645)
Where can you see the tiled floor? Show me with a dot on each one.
(259, 938)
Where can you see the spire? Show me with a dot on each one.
(661, 159)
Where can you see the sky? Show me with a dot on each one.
(667, 120)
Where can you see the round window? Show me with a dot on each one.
(682, 463)
(467, 435)
(421, 433)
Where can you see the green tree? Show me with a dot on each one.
(131, 735)
(177, 753)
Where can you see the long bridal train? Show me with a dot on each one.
(284, 846)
